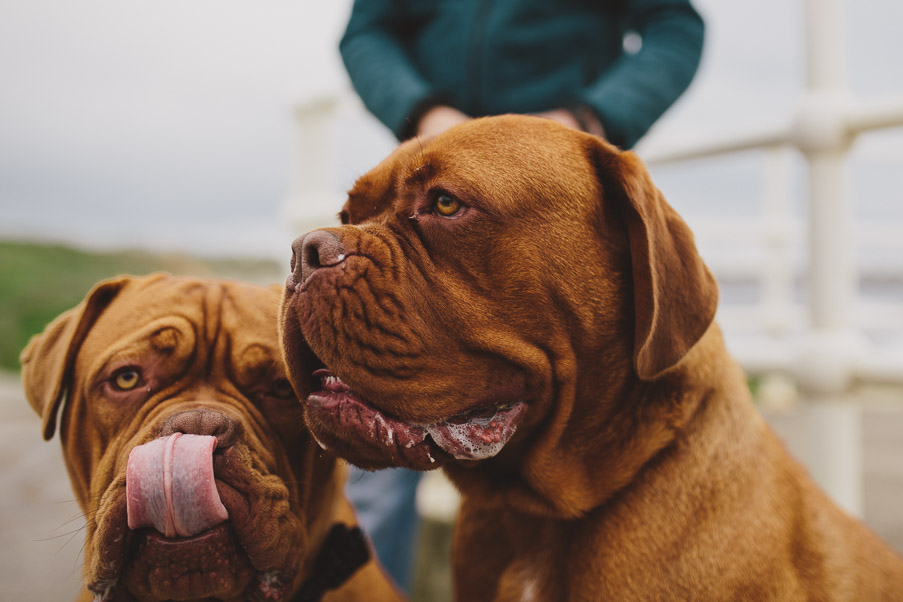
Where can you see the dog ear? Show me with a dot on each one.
(49, 358)
(675, 295)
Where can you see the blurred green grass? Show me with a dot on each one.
(40, 281)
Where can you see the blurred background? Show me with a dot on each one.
(201, 137)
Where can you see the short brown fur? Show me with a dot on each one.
(642, 470)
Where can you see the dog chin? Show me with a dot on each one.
(347, 424)
(211, 564)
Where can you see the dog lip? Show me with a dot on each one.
(343, 420)
(476, 434)
(155, 536)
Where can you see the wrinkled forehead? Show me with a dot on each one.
(500, 160)
(141, 303)
(184, 313)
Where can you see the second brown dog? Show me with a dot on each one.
(187, 450)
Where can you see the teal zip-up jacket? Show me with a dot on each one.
(488, 57)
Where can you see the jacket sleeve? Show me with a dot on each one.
(638, 88)
(380, 69)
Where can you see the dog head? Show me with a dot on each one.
(183, 439)
(496, 298)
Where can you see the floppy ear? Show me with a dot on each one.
(675, 295)
(49, 358)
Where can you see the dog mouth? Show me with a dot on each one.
(371, 438)
(210, 564)
(182, 541)
(184, 546)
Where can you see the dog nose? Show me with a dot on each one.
(203, 422)
(315, 250)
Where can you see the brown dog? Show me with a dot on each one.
(187, 450)
(516, 302)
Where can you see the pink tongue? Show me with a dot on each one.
(169, 486)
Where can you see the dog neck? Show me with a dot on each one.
(569, 471)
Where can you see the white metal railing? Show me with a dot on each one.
(831, 353)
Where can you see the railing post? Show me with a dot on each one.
(777, 274)
(313, 201)
(828, 358)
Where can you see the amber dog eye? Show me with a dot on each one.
(447, 205)
(127, 379)
(282, 389)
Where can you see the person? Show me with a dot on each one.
(422, 66)
(385, 504)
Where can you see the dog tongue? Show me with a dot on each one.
(170, 487)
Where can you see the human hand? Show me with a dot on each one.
(562, 116)
(438, 119)
(588, 121)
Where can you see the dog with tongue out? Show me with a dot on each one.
(187, 450)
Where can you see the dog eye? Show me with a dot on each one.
(447, 206)
(126, 379)
(282, 389)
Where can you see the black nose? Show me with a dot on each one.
(203, 422)
(315, 250)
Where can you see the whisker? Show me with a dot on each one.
(74, 518)
(60, 535)
(66, 543)
(79, 558)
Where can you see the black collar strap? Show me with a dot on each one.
(344, 551)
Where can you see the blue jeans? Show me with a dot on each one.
(386, 508)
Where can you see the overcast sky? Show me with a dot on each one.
(169, 124)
